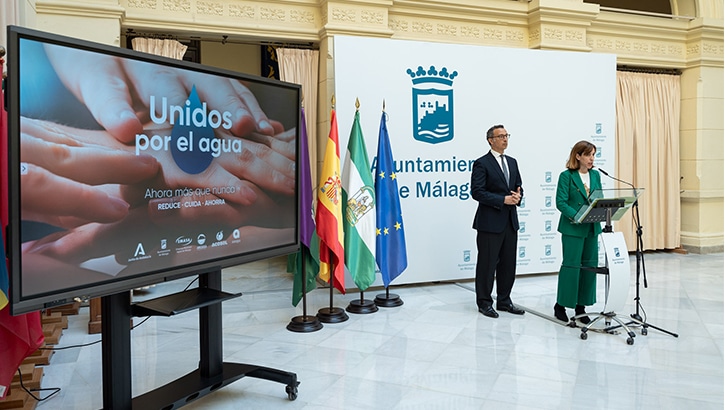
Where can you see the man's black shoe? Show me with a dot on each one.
(511, 309)
(488, 311)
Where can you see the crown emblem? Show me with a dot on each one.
(432, 75)
(432, 104)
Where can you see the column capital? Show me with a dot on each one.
(560, 24)
(705, 43)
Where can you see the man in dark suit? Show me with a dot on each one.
(496, 185)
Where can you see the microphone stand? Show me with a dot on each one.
(639, 256)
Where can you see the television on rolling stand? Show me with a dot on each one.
(128, 169)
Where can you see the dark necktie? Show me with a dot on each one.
(505, 169)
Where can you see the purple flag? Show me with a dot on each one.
(307, 217)
(304, 279)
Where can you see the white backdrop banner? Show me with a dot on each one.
(440, 100)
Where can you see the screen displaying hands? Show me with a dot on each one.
(118, 179)
(118, 91)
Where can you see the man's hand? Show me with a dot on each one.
(514, 198)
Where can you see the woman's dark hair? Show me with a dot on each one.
(580, 148)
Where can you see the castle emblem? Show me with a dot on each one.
(432, 104)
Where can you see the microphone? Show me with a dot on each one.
(616, 179)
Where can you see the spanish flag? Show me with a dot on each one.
(328, 215)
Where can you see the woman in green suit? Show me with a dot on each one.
(579, 242)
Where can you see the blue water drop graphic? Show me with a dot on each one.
(193, 160)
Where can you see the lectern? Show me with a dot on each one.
(607, 205)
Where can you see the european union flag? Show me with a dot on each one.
(390, 252)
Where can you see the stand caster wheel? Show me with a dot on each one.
(630, 341)
(583, 336)
(644, 331)
(291, 392)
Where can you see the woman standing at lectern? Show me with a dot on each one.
(579, 242)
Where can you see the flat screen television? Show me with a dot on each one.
(128, 169)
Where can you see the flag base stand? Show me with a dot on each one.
(362, 306)
(332, 315)
(304, 324)
(388, 300)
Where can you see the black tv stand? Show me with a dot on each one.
(212, 373)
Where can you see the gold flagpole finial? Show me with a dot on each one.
(357, 104)
(302, 99)
(332, 101)
(383, 104)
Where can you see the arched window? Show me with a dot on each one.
(651, 6)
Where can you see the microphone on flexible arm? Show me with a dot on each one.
(617, 179)
(640, 245)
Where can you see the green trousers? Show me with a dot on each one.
(578, 286)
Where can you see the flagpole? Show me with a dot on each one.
(330, 202)
(357, 155)
(304, 323)
(332, 314)
(387, 299)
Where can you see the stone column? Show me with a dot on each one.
(701, 138)
(98, 21)
(367, 18)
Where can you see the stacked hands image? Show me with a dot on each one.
(159, 144)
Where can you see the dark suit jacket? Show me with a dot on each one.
(570, 197)
(488, 187)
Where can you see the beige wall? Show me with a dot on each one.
(243, 58)
(694, 45)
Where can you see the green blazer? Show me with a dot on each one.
(570, 197)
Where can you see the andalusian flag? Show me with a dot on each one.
(390, 252)
(358, 197)
(328, 215)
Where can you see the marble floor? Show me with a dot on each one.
(433, 352)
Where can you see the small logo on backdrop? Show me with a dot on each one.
(432, 104)
(523, 203)
(547, 201)
(547, 250)
(598, 154)
(201, 239)
(140, 251)
(522, 226)
(547, 177)
(547, 226)
(466, 256)
(522, 251)
(183, 241)
(616, 252)
(361, 203)
(598, 128)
